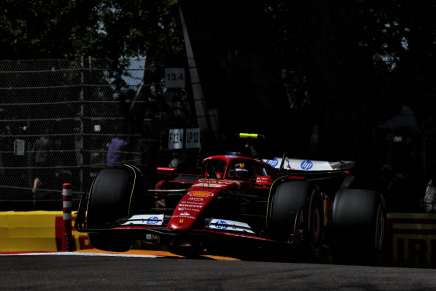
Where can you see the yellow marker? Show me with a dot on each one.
(249, 135)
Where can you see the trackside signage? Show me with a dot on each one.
(413, 239)
(175, 77)
(175, 139)
(192, 138)
(19, 147)
(180, 138)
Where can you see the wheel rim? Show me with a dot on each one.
(314, 219)
(315, 225)
(379, 229)
(298, 227)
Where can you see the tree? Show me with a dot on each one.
(112, 30)
(104, 28)
(47, 29)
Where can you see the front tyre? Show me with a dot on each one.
(114, 195)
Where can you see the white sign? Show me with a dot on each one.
(19, 147)
(193, 138)
(175, 139)
(175, 77)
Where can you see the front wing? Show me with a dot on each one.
(137, 226)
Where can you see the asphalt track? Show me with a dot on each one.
(157, 271)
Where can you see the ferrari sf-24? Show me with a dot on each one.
(278, 201)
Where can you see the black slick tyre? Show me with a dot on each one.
(111, 200)
(358, 226)
(113, 196)
(286, 203)
(315, 229)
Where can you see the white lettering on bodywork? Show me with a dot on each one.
(231, 225)
(145, 219)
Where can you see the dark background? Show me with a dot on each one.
(351, 80)
(283, 68)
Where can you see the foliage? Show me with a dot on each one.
(101, 28)
(47, 29)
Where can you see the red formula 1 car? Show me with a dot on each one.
(238, 199)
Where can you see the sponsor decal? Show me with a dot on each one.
(275, 162)
(153, 220)
(184, 215)
(209, 185)
(145, 219)
(230, 225)
(200, 194)
(196, 199)
(191, 205)
(221, 224)
(263, 179)
(417, 250)
(306, 165)
(413, 239)
(187, 207)
(272, 163)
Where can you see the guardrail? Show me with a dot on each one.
(37, 231)
(412, 236)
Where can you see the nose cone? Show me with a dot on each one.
(193, 204)
(181, 223)
(189, 209)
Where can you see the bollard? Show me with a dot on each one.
(67, 204)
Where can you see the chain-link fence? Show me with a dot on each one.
(57, 118)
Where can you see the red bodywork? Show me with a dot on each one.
(195, 201)
(205, 189)
(229, 198)
(256, 175)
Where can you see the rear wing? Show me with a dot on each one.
(289, 164)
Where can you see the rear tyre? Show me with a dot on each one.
(296, 215)
(285, 216)
(315, 224)
(359, 226)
